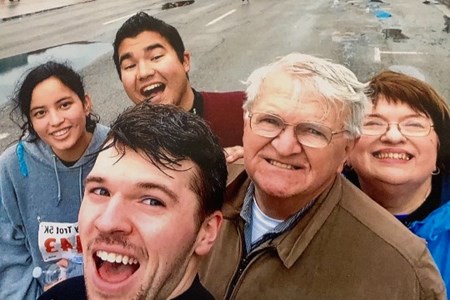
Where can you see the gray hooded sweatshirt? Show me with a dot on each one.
(40, 199)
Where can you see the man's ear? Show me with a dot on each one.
(187, 61)
(349, 146)
(208, 233)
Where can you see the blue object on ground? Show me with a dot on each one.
(381, 14)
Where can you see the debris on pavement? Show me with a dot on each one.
(394, 33)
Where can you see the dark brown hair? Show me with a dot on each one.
(168, 135)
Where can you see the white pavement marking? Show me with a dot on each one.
(377, 55)
(118, 19)
(221, 17)
(378, 52)
(3, 135)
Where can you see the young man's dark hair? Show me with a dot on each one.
(168, 135)
(141, 22)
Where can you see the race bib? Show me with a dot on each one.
(58, 240)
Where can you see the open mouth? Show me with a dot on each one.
(392, 155)
(151, 91)
(115, 267)
(281, 165)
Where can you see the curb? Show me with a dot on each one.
(3, 19)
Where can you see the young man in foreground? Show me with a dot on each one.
(151, 208)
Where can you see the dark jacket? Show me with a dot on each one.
(75, 289)
(345, 247)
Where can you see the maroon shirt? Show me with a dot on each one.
(224, 114)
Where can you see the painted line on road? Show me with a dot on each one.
(377, 55)
(118, 19)
(221, 17)
(378, 52)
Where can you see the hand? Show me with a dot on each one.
(233, 153)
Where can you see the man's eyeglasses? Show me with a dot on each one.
(310, 134)
(411, 127)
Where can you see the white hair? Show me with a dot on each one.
(337, 84)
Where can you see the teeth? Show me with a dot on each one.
(116, 258)
(280, 165)
(111, 257)
(153, 86)
(119, 258)
(61, 132)
(390, 155)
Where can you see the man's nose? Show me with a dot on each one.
(286, 143)
(114, 217)
(145, 69)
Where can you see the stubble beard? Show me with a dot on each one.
(161, 288)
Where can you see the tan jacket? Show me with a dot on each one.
(346, 247)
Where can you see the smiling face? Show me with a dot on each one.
(391, 157)
(150, 69)
(59, 118)
(139, 230)
(281, 167)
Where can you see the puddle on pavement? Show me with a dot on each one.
(78, 55)
(177, 4)
(395, 34)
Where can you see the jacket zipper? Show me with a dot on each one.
(244, 263)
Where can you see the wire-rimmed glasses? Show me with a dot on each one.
(412, 127)
(310, 134)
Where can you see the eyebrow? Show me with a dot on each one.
(42, 106)
(161, 187)
(142, 185)
(95, 179)
(404, 117)
(149, 48)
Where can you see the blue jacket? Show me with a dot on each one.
(40, 199)
(435, 229)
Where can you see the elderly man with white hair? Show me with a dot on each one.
(294, 228)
